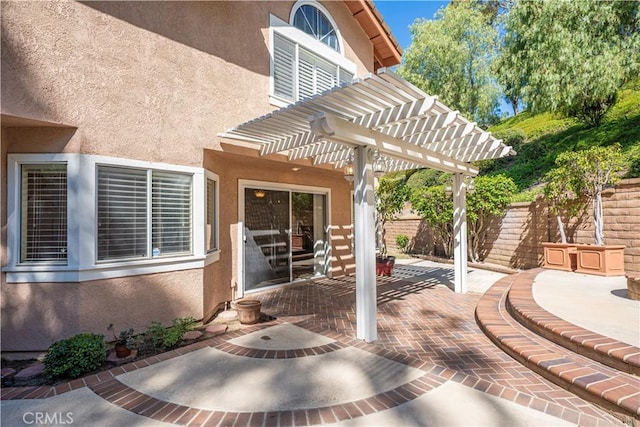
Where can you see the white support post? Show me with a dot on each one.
(366, 321)
(460, 233)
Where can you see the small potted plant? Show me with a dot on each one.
(390, 197)
(124, 342)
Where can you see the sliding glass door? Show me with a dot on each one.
(285, 236)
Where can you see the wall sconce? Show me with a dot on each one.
(379, 165)
(259, 193)
(348, 169)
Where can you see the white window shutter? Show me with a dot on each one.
(306, 78)
(344, 76)
(325, 75)
(284, 56)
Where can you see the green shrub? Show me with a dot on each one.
(402, 240)
(169, 337)
(75, 356)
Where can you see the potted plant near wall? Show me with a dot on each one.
(588, 172)
(390, 197)
(124, 342)
(563, 201)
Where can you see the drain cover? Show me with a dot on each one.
(265, 337)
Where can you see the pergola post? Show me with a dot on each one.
(459, 233)
(366, 321)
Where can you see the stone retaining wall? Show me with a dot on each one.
(515, 240)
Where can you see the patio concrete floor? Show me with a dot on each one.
(431, 365)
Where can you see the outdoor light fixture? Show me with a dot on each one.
(471, 184)
(379, 165)
(259, 193)
(348, 169)
(468, 181)
(448, 188)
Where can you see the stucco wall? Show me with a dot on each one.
(150, 81)
(515, 240)
(34, 315)
(154, 81)
(235, 164)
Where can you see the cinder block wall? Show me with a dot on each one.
(515, 240)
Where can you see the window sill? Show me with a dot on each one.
(57, 273)
(212, 257)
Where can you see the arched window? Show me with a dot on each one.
(312, 21)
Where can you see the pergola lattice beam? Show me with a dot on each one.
(332, 128)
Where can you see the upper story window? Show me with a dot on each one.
(312, 21)
(306, 55)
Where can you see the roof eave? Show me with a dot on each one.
(386, 49)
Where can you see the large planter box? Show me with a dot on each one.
(607, 260)
(560, 256)
(633, 286)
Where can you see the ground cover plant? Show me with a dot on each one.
(86, 353)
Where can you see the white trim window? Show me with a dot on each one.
(124, 213)
(75, 217)
(43, 221)
(211, 221)
(306, 60)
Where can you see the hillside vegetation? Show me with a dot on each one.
(539, 139)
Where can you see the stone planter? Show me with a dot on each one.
(560, 256)
(248, 311)
(633, 287)
(606, 260)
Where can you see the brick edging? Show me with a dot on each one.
(616, 391)
(606, 350)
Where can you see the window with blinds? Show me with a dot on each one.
(44, 213)
(122, 213)
(212, 231)
(171, 214)
(143, 213)
(299, 73)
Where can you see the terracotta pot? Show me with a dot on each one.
(606, 260)
(560, 256)
(248, 311)
(122, 351)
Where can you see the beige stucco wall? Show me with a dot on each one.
(34, 315)
(151, 81)
(233, 164)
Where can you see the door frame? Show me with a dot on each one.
(275, 186)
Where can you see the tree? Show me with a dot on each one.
(570, 56)
(563, 195)
(491, 197)
(436, 207)
(390, 197)
(588, 172)
(451, 57)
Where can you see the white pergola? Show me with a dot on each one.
(409, 129)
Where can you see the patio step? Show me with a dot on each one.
(613, 389)
(609, 351)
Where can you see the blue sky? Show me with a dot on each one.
(399, 14)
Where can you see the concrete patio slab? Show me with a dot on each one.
(282, 337)
(597, 304)
(77, 408)
(454, 404)
(212, 379)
